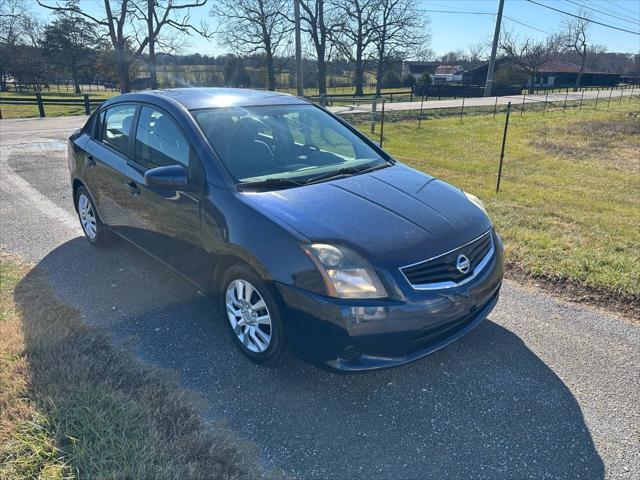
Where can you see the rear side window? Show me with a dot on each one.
(116, 126)
(159, 141)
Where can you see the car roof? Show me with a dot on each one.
(196, 98)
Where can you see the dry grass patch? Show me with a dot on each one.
(74, 406)
(613, 141)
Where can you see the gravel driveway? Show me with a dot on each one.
(542, 389)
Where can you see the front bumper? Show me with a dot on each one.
(360, 335)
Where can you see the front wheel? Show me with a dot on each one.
(252, 315)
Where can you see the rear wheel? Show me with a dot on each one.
(94, 230)
(252, 316)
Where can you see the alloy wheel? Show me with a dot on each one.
(248, 315)
(87, 216)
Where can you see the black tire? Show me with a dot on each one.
(103, 236)
(276, 348)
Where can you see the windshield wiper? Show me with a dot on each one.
(272, 182)
(347, 171)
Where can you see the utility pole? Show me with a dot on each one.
(299, 82)
(494, 50)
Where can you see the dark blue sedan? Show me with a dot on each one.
(310, 236)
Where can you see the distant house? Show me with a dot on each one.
(448, 73)
(550, 74)
(417, 69)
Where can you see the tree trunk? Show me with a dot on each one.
(153, 75)
(74, 77)
(271, 74)
(153, 79)
(379, 72)
(582, 64)
(322, 76)
(123, 74)
(359, 79)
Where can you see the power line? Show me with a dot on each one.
(525, 24)
(610, 10)
(459, 12)
(583, 18)
(621, 7)
(604, 13)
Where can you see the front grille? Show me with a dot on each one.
(442, 270)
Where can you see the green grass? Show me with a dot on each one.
(569, 203)
(26, 111)
(72, 405)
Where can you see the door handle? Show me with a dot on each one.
(91, 161)
(133, 188)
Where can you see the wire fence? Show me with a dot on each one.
(520, 105)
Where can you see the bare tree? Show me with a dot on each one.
(357, 34)
(253, 26)
(529, 54)
(574, 38)
(400, 28)
(174, 14)
(321, 23)
(119, 20)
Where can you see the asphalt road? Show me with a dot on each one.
(542, 389)
(516, 100)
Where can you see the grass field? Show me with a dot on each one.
(74, 406)
(569, 205)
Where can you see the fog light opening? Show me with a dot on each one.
(351, 352)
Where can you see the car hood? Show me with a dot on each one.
(392, 215)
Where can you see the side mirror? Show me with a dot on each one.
(171, 176)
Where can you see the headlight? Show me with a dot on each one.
(345, 273)
(475, 200)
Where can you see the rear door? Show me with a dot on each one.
(106, 158)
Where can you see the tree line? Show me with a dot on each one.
(115, 38)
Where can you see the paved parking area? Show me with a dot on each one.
(542, 389)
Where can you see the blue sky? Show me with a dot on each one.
(451, 31)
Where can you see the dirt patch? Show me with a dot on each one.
(614, 141)
(623, 305)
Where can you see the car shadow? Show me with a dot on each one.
(486, 406)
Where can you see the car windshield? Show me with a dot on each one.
(284, 145)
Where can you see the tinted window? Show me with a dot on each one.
(159, 141)
(116, 126)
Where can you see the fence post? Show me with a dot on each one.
(633, 86)
(524, 97)
(411, 97)
(40, 104)
(421, 106)
(610, 93)
(495, 107)
(597, 96)
(382, 124)
(462, 109)
(87, 109)
(565, 100)
(504, 141)
(621, 92)
(0, 114)
(581, 98)
(374, 105)
(544, 107)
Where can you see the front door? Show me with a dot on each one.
(165, 222)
